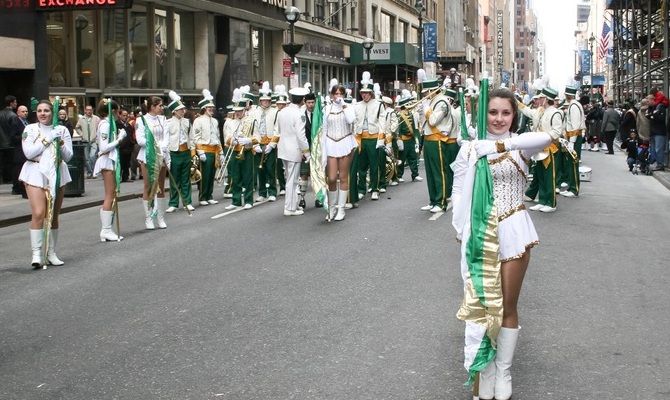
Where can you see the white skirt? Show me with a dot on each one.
(103, 163)
(516, 234)
(31, 175)
(341, 148)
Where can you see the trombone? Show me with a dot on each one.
(220, 173)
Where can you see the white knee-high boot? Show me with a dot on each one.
(106, 233)
(487, 380)
(51, 253)
(332, 199)
(36, 240)
(506, 345)
(160, 214)
(148, 221)
(341, 201)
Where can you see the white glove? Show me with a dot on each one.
(268, 149)
(244, 141)
(307, 157)
(388, 149)
(461, 141)
(400, 144)
(380, 143)
(564, 142)
(472, 132)
(571, 146)
(202, 156)
(122, 135)
(485, 147)
(257, 149)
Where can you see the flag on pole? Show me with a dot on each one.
(605, 42)
(317, 161)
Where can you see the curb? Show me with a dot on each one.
(26, 218)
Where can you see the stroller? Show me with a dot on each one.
(642, 162)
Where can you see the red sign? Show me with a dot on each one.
(286, 64)
(81, 4)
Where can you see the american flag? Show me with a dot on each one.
(605, 41)
(159, 49)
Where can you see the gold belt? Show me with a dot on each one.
(570, 134)
(368, 135)
(209, 148)
(406, 137)
(438, 137)
(266, 139)
(183, 147)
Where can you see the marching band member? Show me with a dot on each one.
(239, 132)
(436, 127)
(405, 129)
(266, 115)
(370, 115)
(207, 146)
(389, 143)
(281, 103)
(181, 149)
(544, 172)
(352, 199)
(506, 153)
(338, 143)
(292, 147)
(108, 146)
(451, 144)
(150, 128)
(42, 143)
(310, 102)
(575, 123)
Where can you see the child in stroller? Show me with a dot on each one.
(638, 153)
(642, 160)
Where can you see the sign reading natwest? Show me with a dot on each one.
(50, 5)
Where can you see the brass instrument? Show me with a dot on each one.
(247, 131)
(220, 173)
(196, 175)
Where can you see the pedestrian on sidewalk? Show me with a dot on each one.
(40, 173)
(19, 157)
(127, 145)
(504, 270)
(594, 119)
(642, 121)
(108, 145)
(611, 123)
(11, 129)
(630, 145)
(658, 142)
(87, 127)
(65, 121)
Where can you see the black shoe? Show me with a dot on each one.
(302, 204)
(317, 204)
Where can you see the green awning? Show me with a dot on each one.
(386, 53)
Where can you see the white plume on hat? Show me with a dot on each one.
(366, 78)
(332, 84)
(414, 94)
(348, 92)
(237, 95)
(377, 89)
(420, 75)
(538, 84)
(265, 88)
(207, 95)
(308, 86)
(405, 93)
(280, 90)
(174, 96)
(245, 89)
(446, 83)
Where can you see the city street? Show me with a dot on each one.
(255, 305)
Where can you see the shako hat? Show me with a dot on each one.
(175, 102)
(366, 83)
(206, 99)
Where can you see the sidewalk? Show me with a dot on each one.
(15, 210)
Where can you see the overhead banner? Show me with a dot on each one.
(430, 41)
(53, 5)
(585, 62)
(500, 52)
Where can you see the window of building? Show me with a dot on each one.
(184, 50)
(138, 40)
(375, 29)
(114, 47)
(402, 31)
(86, 45)
(239, 59)
(160, 41)
(57, 44)
(522, 66)
(385, 28)
(353, 20)
(334, 21)
(319, 10)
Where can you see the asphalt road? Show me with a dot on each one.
(255, 305)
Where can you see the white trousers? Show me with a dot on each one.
(292, 173)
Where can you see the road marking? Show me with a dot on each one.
(436, 216)
(238, 209)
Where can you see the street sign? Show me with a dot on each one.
(286, 67)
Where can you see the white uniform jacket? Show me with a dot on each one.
(293, 142)
(180, 133)
(370, 117)
(156, 124)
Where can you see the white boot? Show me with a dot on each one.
(36, 239)
(332, 199)
(148, 221)
(487, 380)
(51, 253)
(341, 201)
(160, 215)
(506, 346)
(106, 233)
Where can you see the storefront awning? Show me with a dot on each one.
(386, 53)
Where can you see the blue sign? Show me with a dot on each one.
(506, 75)
(585, 62)
(430, 42)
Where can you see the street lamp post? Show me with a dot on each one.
(420, 9)
(292, 14)
(591, 40)
(368, 44)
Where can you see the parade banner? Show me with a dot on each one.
(430, 42)
(585, 63)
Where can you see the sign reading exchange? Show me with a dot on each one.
(41, 5)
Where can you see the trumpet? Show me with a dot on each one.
(196, 175)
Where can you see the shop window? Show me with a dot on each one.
(57, 56)
(402, 32)
(184, 50)
(160, 40)
(138, 40)
(385, 28)
(239, 59)
(114, 47)
(86, 55)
